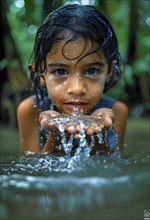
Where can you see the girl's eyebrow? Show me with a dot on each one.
(96, 64)
(58, 64)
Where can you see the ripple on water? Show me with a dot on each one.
(48, 182)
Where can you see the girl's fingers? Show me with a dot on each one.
(108, 121)
(90, 130)
(45, 115)
(106, 114)
(93, 130)
(71, 129)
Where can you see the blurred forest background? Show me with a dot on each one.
(18, 25)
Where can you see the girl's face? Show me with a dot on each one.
(75, 84)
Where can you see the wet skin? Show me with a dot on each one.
(74, 83)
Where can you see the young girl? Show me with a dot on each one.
(76, 59)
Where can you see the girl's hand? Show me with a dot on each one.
(106, 114)
(45, 116)
(104, 118)
(101, 118)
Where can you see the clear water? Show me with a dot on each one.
(78, 119)
(59, 187)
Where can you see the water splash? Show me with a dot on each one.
(77, 118)
(100, 137)
(84, 146)
(77, 112)
(67, 145)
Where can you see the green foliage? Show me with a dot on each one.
(24, 20)
(25, 16)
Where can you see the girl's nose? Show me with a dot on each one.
(76, 86)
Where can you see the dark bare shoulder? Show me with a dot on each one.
(120, 107)
(27, 107)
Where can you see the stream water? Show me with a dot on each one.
(82, 187)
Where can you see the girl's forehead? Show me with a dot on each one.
(75, 48)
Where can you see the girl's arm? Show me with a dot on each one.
(116, 117)
(121, 114)
(28, 122)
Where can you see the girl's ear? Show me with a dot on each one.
(111, 71)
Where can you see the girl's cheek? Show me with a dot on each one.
(48, 78)
(58, 87)
(97, 88)
(102, 84)
(56, 93)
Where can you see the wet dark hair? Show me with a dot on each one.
(81, 21)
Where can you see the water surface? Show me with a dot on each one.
(50, 187)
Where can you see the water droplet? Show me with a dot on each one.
(58, 87)
(100, 138)
(77, 112)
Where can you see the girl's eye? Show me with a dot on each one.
(92, 71)
(60, 72)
